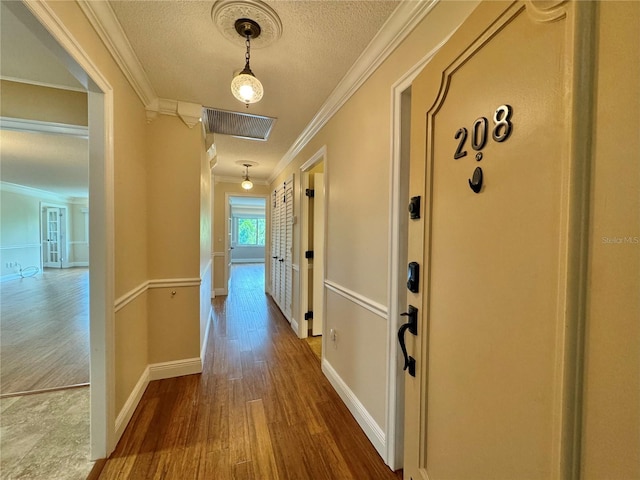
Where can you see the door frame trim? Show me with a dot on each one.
(303, 283)
(394, 447)
(48, 27)
(267, 243)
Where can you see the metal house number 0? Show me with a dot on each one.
(502, 128)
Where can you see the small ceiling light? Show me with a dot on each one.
(245, 86)
(247, 184)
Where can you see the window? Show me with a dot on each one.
(251, 231)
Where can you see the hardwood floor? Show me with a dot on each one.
(44, 331)
(261, 409)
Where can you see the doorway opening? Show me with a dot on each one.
(246, 241)
(45, 34)
(312, 258)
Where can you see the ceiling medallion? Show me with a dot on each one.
(225, 13)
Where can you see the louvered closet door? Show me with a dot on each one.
(288, 242)
(283, 247)
(275, 245)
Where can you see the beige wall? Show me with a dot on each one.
(21, 100)
(20, 230)
(79, 233)
(357, 170)
(173, 213)
(173, 219)
(611, 442)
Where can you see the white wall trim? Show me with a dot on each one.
(37, 126)
(175, 368)
(295, 327)
(203, 350)
(130, 296)
(400, 24)
(156, 371)
(135, 292)
(372, 430)
(393, 455)
(18, 247)
(174, 282)
(106, 24)
(78, 264)
(317, 157)
(10, 276)
(220, 291)
(47, 25)
(42, 84)
(295, 267)
(129, 407)
(39, 194)
(364, 302)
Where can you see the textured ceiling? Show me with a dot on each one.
(188, 59)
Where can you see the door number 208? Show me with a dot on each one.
(502, 128)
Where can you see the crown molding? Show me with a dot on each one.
(397, 27)
(37, 126)
(40, 194)
(42, 84)
(106, 24)
(189, 113)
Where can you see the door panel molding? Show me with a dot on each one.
(573, 25)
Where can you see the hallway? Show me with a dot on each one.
(261, 409)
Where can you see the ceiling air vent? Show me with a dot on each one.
(242, 125)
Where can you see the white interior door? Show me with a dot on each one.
(229, 244)
(55, 236)
(318, 253)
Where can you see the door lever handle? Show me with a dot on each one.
(412, 326)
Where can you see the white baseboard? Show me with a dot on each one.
(156, 371)
(78, 264)
(219, 292)
(176, 368)
(203, 350)
(11, 276)
(295, 326)
(371, 429)
(130, 405)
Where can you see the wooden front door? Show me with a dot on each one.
(499, 118)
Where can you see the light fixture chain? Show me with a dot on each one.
(248, 44)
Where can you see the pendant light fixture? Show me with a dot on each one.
(245, 86)
(247, 184)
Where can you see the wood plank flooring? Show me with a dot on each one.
(44, 331)
(261, 409)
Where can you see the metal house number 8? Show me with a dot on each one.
(502, 128)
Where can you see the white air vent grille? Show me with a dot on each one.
(243, 125)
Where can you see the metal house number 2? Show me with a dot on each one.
(502, 128)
